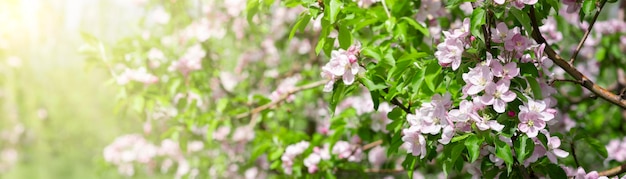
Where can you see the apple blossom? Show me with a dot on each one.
(498, 95)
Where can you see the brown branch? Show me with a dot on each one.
(372, 145)
(282, 98)
(384, 170)
(582, 41)
(577, 75)
(563, 80)
(613, 171)
(397, 102)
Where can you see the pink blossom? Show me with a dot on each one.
(517, 43)
(291, 152)
(477, 79)
(572, 5)
(414, 141)
(616, 150)
(498, 94)
(500, 33)
(530, 123)
(465, 112)
(485, 124)
(285, 87)
(553, 150)
(507, 72)
(380, 121)
(311, 162)
(528, 2)
(221, 133)
(538, 107)
(243, 134)
(139, 75)
(342, 64)
(342, 149)
(550, 31)
(499, 1)
(190, 61)
(377, 156)
(449, 53)
(429, 9)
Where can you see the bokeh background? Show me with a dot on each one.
(56, 114)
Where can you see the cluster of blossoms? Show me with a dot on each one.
(127, 150)
(291, 153)
(450, 51)
(139, 75)
(363, 104)
(616, 150)
(488, 85)
(285, 87)
(316, 157)
(343, 150)
(190, 61)
(343, 64)
(9, 155)
(580, 173)
(519, 4)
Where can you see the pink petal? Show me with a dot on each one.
(499, 106)
(508, 96)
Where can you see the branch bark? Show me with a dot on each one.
(582, 41)
(577, 75)
(282, 98)
(614, 171)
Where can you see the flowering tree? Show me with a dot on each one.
(333, 88)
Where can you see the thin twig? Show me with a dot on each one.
(571, 144)
(613, 171)
(372, 145)
(582, 41)
(396, 102)
(585, 82)
(384, 170)
(386, 9)
(282, 98)
(563, 80)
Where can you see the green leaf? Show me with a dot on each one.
(345, 37)
(473, 144)
(251, 9)
(523, 148)
(375, 99)
(589, 6)
(476, 21)
(528, 69)
(503, 151)
(535, 87)
(320, 45)
(555, 171)
(409, 163)
(457, 149)
(372, 53)
(371, 86)
(417, 26)
(460, 137)
(454, 3)
(523, 18)
(597, 146)
(433, 75)
(303, 21)
(334, 7)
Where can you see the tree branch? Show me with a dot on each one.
(372, 145)
(577, 75)
(613, 171)
(282, 98)
(582, 41)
